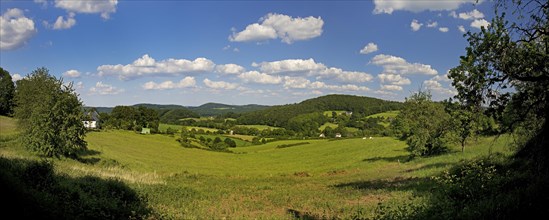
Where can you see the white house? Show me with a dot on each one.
(91, 120)
(338, 135)
(322, 135)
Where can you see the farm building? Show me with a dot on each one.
(322, 135)
(91, 120)
(145, 131)
(338, 135)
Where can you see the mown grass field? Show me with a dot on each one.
(259, 127)
(387, 114)
(333, 179)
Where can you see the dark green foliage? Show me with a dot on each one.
(280, 116)
(50, 115)
(7, 91)
(174, 116)
(230, 142)
(423, 124)
(32, 190)
(506, 68)
(292, 145)
(131, 118)
(215, 109)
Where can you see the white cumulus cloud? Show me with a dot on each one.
(220, 84)
(369, 48)
(389, 6)
(103, 7)
(61, 23)
(391, 87)
(393, 79)
(443, 29)
(261, 78)
(434, 85)
(472, 15)
(461, 29)
(290, 66)
(183, 83)
(480, 23)
(229, 68)
(105, 89)
(16, 77)
(147, 66)
(415, 25)
(433, 24)
(398, 65)
(288, 29)
(344, 76)
(72, 74)
(15, 29)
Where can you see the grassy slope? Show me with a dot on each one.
(388, 114)
(324, 178)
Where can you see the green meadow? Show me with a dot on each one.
(344, 178)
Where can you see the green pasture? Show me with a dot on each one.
(342, 179)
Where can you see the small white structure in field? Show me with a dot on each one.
(322, 135)
(91, 120)
(371, 138)
(231, 132)
(338, 135)
(364, 138)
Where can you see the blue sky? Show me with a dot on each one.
(239, 52)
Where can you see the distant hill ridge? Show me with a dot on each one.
(280, 115)
(273, 115)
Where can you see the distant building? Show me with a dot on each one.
(349, 113)
(338, 135)
(322, 135)
(145, 131)
(91, 120)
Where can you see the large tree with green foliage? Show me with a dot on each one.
(7, 90)
(506, 68)
(423, 124)
(50, 115)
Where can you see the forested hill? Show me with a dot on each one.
(214, 109)
(280, 115)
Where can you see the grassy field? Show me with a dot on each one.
(259, 127)
(329, 113)
(320, 178)
(388, 114)
(327, 124)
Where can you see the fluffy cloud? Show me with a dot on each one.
(388, 7)
(443, 29)
(147, 66)
(303, 83)
(229, 69)
(311, 68)
(480, 23)
(15, 29)
(472, 15)
(61, 23)
(391, 87)
(220, 84)
(434, 85)
(393, 79)
(103, 7)
(290, 66)
(344, 76)
(105, 89)
(72, 74)
(432, 24)
(287, 28)
(369, 48)
(398, 65)
(415, 25)
(261, 78)
(183, 83)
(296, 82)
(16, 77)
(461, 29)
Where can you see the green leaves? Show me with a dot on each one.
(50, 115)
